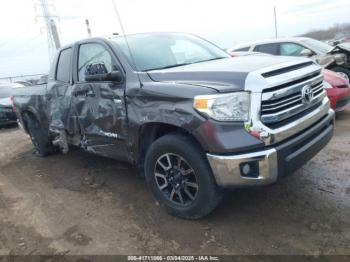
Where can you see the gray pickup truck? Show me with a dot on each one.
(193, 119)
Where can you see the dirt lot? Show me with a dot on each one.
(83, 204)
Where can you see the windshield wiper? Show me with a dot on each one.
(216, 58)
(170, 66)
(183, 64)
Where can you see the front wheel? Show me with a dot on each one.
(180, 177)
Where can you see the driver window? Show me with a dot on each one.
(91, 54)
(291, 49)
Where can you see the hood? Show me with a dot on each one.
(344, 46)
(5, 101)
(340, 47)
(224, 75)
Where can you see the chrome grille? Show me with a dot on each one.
(282, 103)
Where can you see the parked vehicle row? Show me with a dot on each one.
(335, 58)
(7, 114)
(193, 119)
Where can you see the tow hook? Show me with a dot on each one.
(260, 134)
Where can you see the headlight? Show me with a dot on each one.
(345, 76)
(224, 107)
(327, 85)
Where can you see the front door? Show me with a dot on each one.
(100, 105)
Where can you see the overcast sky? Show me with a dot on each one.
(23, 44)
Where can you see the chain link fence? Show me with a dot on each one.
(33, 79)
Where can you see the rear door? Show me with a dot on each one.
(58, 97)
(100, 105)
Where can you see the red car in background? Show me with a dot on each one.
(338, 90)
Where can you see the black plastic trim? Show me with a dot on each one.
(286, 69)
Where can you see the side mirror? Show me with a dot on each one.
(99, 72)
(306, 52)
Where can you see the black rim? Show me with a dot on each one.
(176, 179)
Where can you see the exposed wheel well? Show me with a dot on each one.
(151, 132)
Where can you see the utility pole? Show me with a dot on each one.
(276, 34)
(45, 13)
(88, 27)
(55, 36)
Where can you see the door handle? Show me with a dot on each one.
(117, 101)
(90, 93)
(84, 92)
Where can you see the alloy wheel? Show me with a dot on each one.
(176, 179)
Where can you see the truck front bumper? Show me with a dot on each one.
(265, 167)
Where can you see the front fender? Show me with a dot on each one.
(175, 108)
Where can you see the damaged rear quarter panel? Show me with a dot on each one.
(31, 100)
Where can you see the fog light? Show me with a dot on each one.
(246, 169)
(249, 169)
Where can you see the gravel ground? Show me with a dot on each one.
(84, 204)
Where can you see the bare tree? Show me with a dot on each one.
(330, 33)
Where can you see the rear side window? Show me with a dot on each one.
(272, 49)
(243, 49)
(64, 65)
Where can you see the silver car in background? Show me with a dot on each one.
(335, 58)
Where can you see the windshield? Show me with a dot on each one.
(318, 46)
(5, 91)
(160, 51)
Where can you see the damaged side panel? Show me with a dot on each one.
(31, 101)
(97, 117)
(58, 106)
(91, 114)
(98, 109)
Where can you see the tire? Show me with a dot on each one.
(189, 176)
(41, 142)
(342, 70)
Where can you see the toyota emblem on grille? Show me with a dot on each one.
(307, 94)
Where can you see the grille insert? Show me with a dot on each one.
(282, 103)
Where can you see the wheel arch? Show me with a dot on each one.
(150, 132)
(31, 113)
